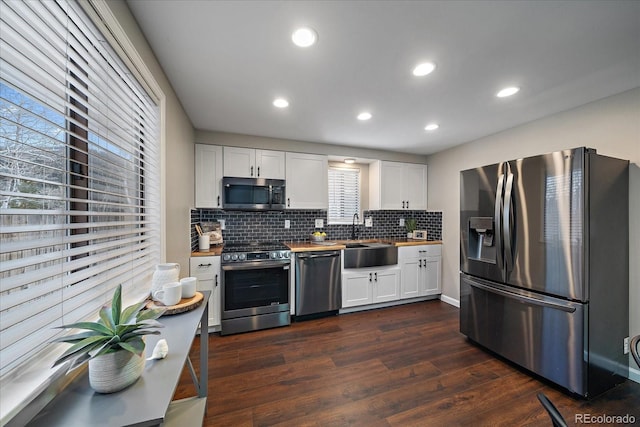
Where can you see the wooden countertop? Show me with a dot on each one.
(330, 245)
(213, 251)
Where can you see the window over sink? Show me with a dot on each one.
(344, 194)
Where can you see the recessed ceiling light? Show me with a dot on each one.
(349, 161)
(304, 37)
(508, 91)
(424, 69)
(364, 115)
(431, 126)
(281, 103)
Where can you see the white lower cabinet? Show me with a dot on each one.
(421, 267)
(207, 270)
(369, 286)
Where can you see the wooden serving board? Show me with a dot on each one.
(185, 304)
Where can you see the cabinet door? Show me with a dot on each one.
(392, 185)
(270, 164)
(415, 186)
(431, 272)
(386, 285)
(207, 270)
(410, 278)
(208, 176)
(307, 181)
(239, 162)
(356, 289)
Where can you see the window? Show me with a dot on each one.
(79, 177)
(344, 195)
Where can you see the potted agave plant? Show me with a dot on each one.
(114, 345)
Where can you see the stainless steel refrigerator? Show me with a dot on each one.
(544, 260)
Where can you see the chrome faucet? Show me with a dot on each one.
(353, 226)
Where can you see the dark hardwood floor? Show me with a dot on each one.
(400, 366)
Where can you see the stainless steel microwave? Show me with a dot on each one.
(253, 194)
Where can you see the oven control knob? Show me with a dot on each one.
(279, 254)
(242, 257)
(226, 257)
(234, 257)
(273, 255)
(286, 255)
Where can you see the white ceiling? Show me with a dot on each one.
(228, 60)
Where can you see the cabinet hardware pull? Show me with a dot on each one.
(420, 264)
(216, 281)
(258, 170)
(288, 202)
(369, 276)
(218, 200)
(407, 204)
(376, 276)
(251, 170)
(204, 265)
(403, 204)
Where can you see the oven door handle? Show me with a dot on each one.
(256, 265)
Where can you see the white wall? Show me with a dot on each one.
(610, 125)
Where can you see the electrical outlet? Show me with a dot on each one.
(401, 222)
(368, 222)
(287, 223)
(319, 223)
(221, 221)
(625, 346)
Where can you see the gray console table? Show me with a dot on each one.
(148, 402)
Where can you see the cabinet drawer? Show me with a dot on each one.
(203, 268)
(429, 250)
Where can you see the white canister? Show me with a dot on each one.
(204, 242)
(165, 273)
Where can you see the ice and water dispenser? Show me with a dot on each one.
(481, 239)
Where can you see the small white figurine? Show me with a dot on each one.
(160, 350)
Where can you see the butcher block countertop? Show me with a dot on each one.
(213, 251)
(330, 245)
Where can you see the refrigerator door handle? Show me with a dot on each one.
(522, 298)
(507, 220)
(498, 223)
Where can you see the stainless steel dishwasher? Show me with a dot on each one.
(318, 283)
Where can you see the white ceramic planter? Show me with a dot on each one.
(115, 371)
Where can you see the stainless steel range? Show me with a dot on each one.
(255, 286)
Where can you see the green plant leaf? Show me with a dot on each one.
(150, 323)
(129, 314)
(150, 314)
(106, 317)
(116, 305)
(72, 339)
(109, 345)
(135, 346)
(92, 326)
(84, 346)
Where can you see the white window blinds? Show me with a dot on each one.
(344, 195)
(79, 176)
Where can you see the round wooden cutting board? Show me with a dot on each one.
(185, 304)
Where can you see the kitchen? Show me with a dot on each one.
(606, 122)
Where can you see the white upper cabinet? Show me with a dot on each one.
(394, 185)
(208, 176)
(270, 164)
(251, 163)
(307, 181)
